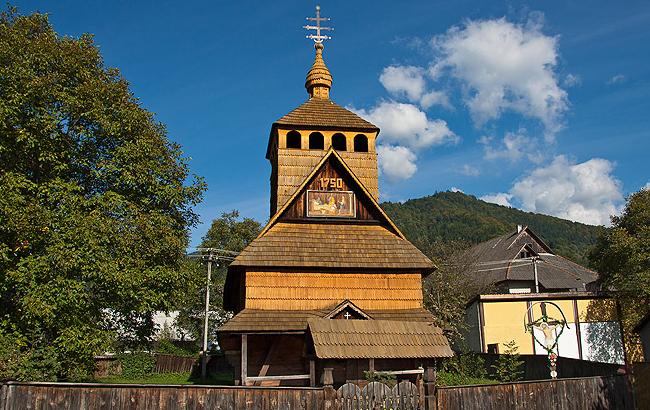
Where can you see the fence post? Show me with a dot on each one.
(328, 389)
(430, 388)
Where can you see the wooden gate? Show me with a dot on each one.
(375, 395)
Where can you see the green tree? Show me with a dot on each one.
(622, 257)
(95, 204)
(509, 366)
(228, 234)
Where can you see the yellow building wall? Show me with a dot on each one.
(504, 322)
(565, 305)
(597, 310)
(309, 291)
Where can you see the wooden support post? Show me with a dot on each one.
(328, 376)
(430, 388)
(371, 365)
(244, 359)
(312, 373)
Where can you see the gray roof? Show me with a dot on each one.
(497, 260)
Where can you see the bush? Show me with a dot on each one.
(166, 346)
(454, 379)
(137, 365)
(466, 364)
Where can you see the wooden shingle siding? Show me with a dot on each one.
(318, 112)
(259, 320)
(332, 246)
(357, 339)
(290, 290)
(295, 165)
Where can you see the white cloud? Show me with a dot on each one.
(646, 186)
(409, 82)
(499, 198)
(513, 147)
(585, 192)
(396, 162)
(454, 189)
(404, 80)
(572, 80)
(504, 67)
(470, 171)
(435, 98)
(617, 79)
(406, 125)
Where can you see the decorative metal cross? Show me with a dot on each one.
(347, 315)
(318, 37)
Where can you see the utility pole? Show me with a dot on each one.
(204, 353)
(535, 259)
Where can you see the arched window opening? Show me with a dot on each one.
(316, 141)
(293, 140)
(360, 143)
(338, 142)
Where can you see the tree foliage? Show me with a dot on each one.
(622, 257)
(95, 202)
(435, 221)
(227, 233)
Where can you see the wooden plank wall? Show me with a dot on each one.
(308, 291)
(641, 383)
(610, 392)
(19, 396)
(536, 367)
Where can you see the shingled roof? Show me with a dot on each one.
(320, 112)
(388, 339)
(497, 260)
(320, 245)
(258, 320)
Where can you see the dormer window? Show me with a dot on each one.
(316, 141)
(294, 140)
(527, 252)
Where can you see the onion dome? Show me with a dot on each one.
(319, 79)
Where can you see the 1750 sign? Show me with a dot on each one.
(331, 183)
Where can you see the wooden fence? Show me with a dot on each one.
(612, 392)
(536, 367)
(166, 363)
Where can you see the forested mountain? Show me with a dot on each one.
(448, 221)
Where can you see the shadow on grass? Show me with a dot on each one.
(221, 379)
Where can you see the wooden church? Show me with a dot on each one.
(331, 287)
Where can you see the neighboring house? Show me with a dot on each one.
(516, 272)
(330, 284)
(643, 329)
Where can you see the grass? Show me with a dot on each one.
(222, 379)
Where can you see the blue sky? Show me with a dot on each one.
(540, 105)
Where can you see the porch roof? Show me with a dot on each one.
(387, 339)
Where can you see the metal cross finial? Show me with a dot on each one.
(318, 37)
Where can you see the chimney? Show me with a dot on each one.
(519, 228)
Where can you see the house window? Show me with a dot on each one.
(316, 141)
(527, 252)
(294, 140)
(338, 142)
(360, 143)
(493, 348)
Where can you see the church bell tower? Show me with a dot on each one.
(300, 139)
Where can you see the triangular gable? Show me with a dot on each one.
(529, 232)
(346, 304)
(367, 198)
